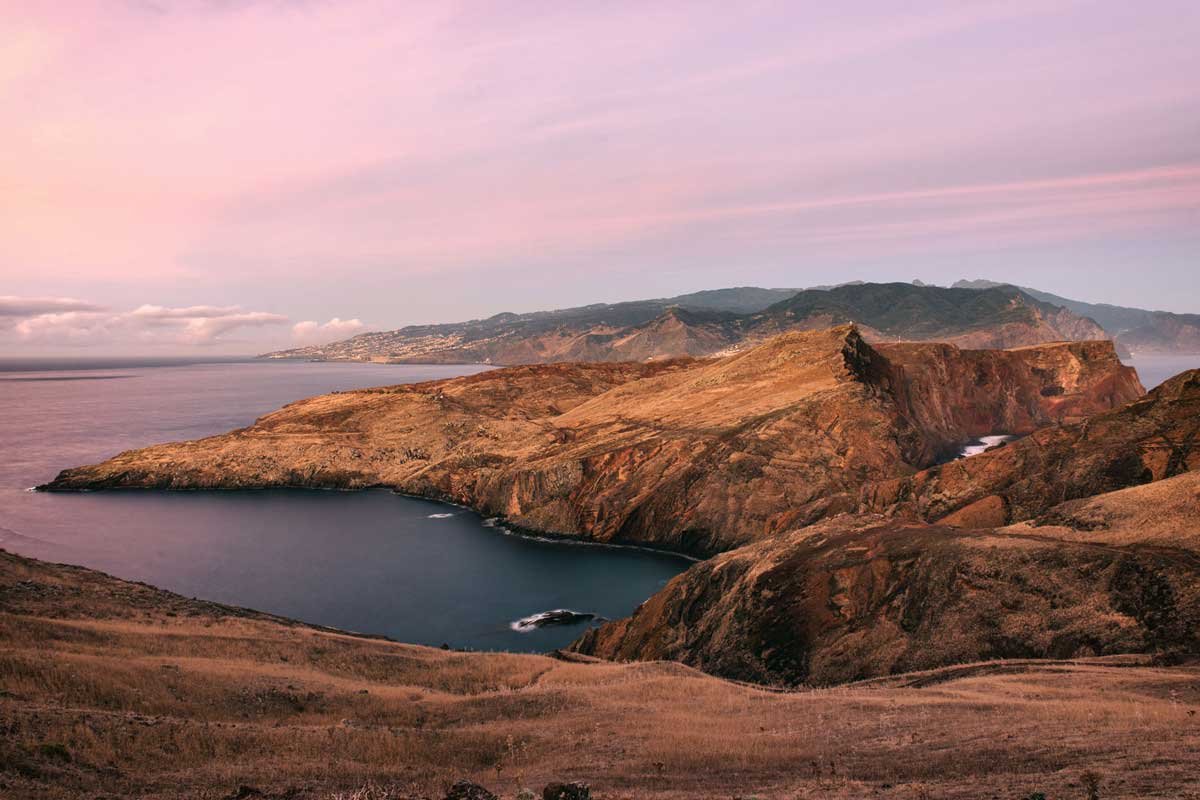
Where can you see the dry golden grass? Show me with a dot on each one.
(150, 695)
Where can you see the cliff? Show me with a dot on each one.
(1155, 437)
(865, 596)
(697, 455)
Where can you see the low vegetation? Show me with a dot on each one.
(115, 689)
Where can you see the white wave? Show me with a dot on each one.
(984, 442)
(440, 516)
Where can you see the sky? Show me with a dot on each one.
(227, 176)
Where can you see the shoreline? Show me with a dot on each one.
(499, 522)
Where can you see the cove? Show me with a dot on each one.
(372, 562)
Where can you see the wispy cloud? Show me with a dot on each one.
(12, 306)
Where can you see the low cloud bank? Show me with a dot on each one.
(66, 321)
(312, 332)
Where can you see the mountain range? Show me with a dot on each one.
(1134, 329)
(969, 314)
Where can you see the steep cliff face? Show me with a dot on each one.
(694, 455)
(947, 392)
(1155, 437)
(861, 597)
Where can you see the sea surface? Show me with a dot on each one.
(374, 562)
(1154, 369)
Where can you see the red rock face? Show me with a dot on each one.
(1155, 437)
(952, 394)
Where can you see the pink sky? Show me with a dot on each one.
(257, 173)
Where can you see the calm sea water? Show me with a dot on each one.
(372, 561)
(1153, 370)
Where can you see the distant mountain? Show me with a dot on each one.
(1137, 330)
(635, 330)
(740, 299)
(706, 323)
(1002, 316)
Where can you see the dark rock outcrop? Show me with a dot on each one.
(567, 791)
(465, 790)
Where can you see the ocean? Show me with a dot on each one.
(372, 562)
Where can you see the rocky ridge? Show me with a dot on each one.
(693, 455)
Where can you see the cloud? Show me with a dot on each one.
(202, 324)
(13, 306)
(312, 332)
(70, 327)
(65, 321)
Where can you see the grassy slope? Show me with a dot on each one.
(112, 688)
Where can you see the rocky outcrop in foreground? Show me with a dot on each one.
(695, 455)
(865, 596)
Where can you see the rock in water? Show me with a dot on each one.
(559, 616)
(465, 790)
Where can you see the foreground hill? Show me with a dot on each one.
(697, 455)
(863, 596)
(1137, 330)
(713, 322)
(115, 689)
